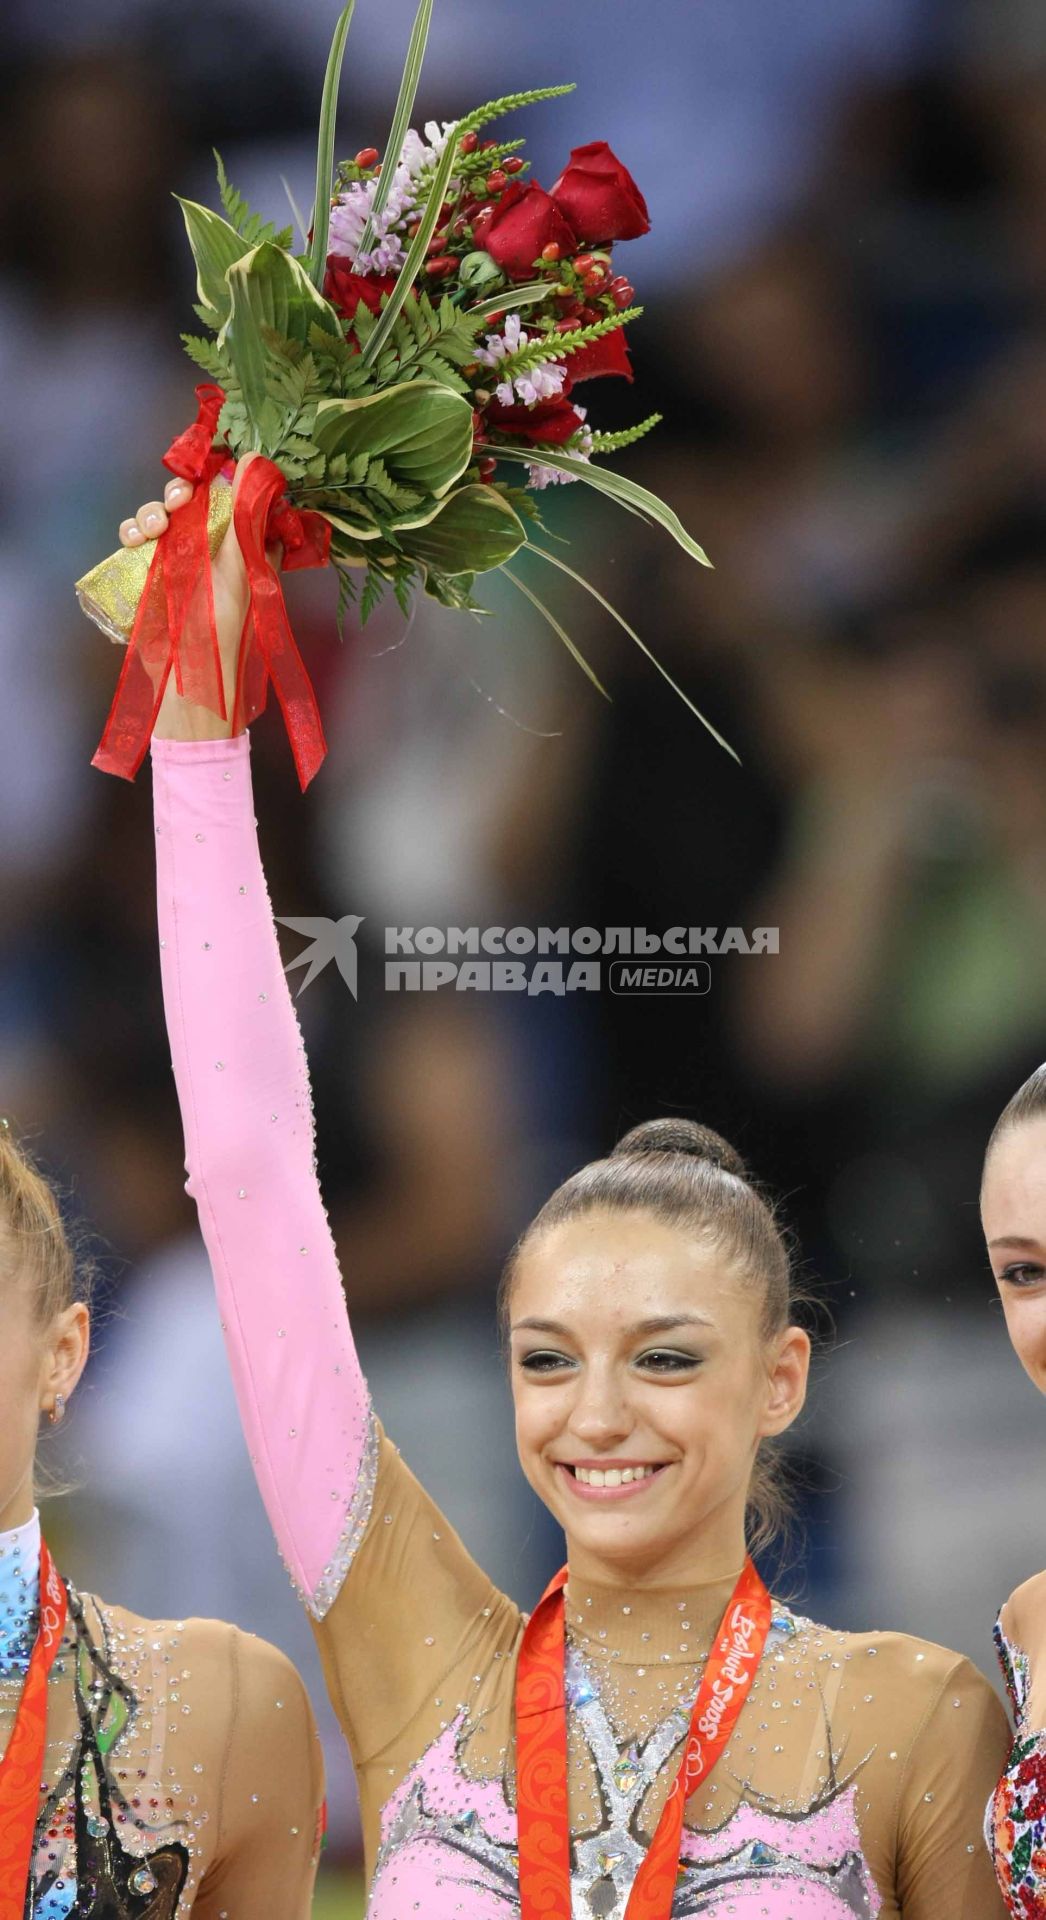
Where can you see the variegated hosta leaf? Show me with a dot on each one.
(354, 525)
(421, 430)
(473, 530)
(268, 289)
(216, 247)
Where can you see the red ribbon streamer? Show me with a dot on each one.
(258, 517)
(175, 626)
(21, 1769)
(541, 1750)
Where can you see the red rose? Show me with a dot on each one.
(551, 420)
(525, 221)
(599, 196)
(345, 289)
(608, 355)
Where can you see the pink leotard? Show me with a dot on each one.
(855, 1780)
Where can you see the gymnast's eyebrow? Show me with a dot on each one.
(1015, 1240)
(661, 1323)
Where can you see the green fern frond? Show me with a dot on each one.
(373, 594)
(481, 117)
(485, 160)
(206, 355)
(626, 436)
(555, 346)
(251, 225)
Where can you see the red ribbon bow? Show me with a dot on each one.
(175, 626)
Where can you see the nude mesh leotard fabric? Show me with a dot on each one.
(855, 1781)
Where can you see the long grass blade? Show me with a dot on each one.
(321, 210)
(295, 211)
(627, 493)
(574, 651)
(633, 635)
(512, 297)
(400, 119)
(411, 267)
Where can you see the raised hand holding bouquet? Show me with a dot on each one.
(434, 331)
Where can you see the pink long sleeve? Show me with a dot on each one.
(242, 1080)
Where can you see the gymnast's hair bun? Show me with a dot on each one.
(681, 1136)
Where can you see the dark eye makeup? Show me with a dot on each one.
(655, 1360)
(1023, 1273)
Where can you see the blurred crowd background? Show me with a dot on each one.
(845, 285)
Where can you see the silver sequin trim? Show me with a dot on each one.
(353, 1530)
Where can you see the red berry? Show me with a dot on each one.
(514, 164)
(487, 145)
(583, 261)
(565, 326)
(497, 181)
(495, 319)
(441, 266)
(468, 143)
(437, 243)
(487, 470)
(552, 251)
(366, 156)
(623, 292)
(481, 221)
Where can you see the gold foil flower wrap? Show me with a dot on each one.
(110, 592)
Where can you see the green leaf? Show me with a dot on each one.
(471, 531)
(478, 269)
(516, 297)
(372, 595)
(268, 289)
(554, 346)
(411, 267)
(452, 590)
(355, 521)
(321, 210)
(554, 561)
(508, 103)
(205, 353)
(400, 119)
(347, 591)
(572, 649)
(421, 430)
(216, 247)
(251, 227)
(626, 437)
(626, 492)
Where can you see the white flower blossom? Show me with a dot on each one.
(579, 447)
(538, 383)
(351, 210)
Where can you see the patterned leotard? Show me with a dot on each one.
(182, 1772)
(1015, 1827)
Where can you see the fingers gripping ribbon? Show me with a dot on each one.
(175, 625)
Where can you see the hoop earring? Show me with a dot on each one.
(57, 1413)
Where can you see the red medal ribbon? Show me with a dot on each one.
(175, 626)
(21, 1769)
(541, 1750)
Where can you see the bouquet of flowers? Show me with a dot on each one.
(433, 332)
